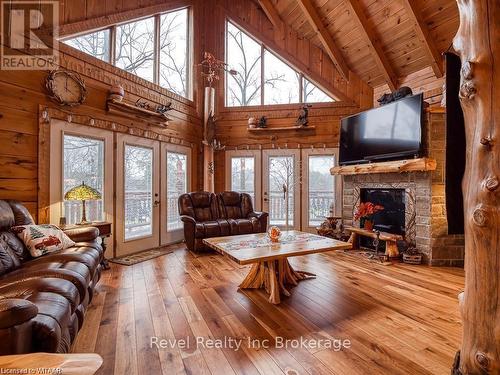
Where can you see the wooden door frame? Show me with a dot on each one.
(175, 236)
(55, 189)
(265, 180)
(305, 154)
(123, 246)
(257, 155)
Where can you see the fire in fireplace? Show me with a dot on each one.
(392, 218)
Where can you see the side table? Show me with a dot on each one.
(104, 232)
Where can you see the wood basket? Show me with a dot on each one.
(412, 258)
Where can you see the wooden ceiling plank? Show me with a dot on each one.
(324, 36)
(374, 44)
(425, 37)
(271, 13)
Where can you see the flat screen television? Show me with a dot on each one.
(390, 132)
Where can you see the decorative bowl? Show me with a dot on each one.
(274, 233)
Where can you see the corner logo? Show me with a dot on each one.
(29, 35)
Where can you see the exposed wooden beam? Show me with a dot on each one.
(271, 13)
(374, 44)
(425, 37)
(324, 36)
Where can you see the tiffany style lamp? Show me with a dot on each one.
(82, 193)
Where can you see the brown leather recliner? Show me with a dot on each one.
(208, 215)
(43, 300)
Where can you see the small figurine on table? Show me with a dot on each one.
(303, 118)
(263, 122)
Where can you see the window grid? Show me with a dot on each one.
(303, 80)
(111, 57)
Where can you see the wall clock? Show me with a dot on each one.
(66, 88)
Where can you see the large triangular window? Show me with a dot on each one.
(262, 77)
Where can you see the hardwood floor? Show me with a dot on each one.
(399, 319)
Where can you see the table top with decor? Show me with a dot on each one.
(270, 267)
(251, 248)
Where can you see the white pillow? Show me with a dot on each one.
(42, 239)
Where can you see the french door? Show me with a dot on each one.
(294, 186)
(137, 218)
(281, 187)
(321, 192)
(243, 174)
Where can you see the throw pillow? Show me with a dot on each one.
(42, 239)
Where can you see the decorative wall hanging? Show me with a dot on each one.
(212, 68)
(66, 88)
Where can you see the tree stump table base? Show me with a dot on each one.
(274, 276)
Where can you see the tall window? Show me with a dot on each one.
(243, 175)
(262, 78)
(138, 167)
(321, 188)
(244, 54)
(176, 185)
(137, 50)
(174, 53)
(83, 161)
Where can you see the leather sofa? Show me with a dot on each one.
(206, 215)
(43, 300)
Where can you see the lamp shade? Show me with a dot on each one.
(82, 193)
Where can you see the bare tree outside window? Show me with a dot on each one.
(95, 44)
(283, 178)
(243, 55)
(281, 83)
(243, 175)
(138, 167)
(313, 94)
(174, 52)
(134, 50)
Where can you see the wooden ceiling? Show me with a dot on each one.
(382, 41)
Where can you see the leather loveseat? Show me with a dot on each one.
(208, 215)
(43, 300)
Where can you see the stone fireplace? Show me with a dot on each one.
(425, 223)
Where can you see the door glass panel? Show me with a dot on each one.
(282, 182)
(243, 175)
(176, 185)
(321, 188)
(138, 171)
(83, 161)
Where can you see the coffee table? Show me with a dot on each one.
(270, 267)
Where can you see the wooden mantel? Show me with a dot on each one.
(398, 166)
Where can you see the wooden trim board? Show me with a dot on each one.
(397, 166)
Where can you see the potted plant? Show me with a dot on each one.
(364, 213)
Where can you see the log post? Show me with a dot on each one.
(478, 42)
